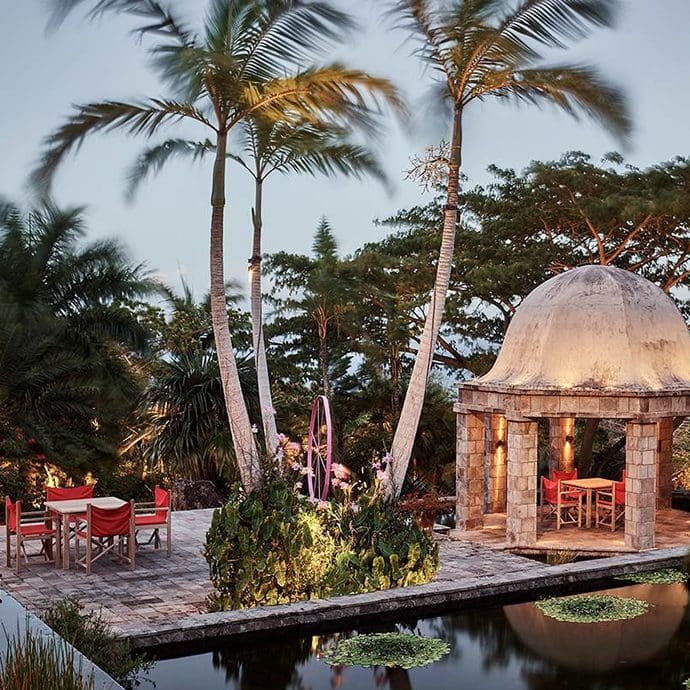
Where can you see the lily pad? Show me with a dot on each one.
(388, 649)
(668, 576)
(592, 608)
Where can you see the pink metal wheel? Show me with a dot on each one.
(320, 450)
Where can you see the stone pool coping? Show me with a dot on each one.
(432, 598)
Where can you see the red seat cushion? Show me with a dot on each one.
(148, 520)
(35, 530)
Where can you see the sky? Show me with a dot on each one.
(167, 225)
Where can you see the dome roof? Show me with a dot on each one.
(595, 328)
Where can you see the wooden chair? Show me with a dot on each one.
(37, 525)
(610, 505)
(155, 516)
(103, 530)
(565, 504)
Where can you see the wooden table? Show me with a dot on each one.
(588, 485)
(66, 509)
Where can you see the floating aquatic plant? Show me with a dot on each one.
(668, 576)
(388, 649)
(592, 608)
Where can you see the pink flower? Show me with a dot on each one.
(294, 447)
(298, 485)
(388, 458)
(336, 482)
(282, 438)
(376, 465)
(380, 475)
(295, 466)
(340, 471)
(322, 505)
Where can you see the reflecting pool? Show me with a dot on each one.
(513, 647)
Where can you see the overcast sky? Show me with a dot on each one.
(648, 55)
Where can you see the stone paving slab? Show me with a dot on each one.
(163, 600)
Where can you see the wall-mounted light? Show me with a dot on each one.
(569, 438)
(499, 443)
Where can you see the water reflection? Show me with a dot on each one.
(510, 648)
(599, 647)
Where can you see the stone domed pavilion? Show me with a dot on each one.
(593, 342)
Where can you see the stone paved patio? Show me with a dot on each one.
(162, 601)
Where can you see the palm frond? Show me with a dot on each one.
(135, 118)
(158, 18)
(572, 88)
(152, 160)
(332, 94)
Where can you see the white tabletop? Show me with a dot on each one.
(78, 505)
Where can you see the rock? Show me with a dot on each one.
(188, 494)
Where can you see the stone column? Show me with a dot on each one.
(521, 510)
(664, 486)
(562, 444)
(640, 494)
(498, 464)
(469, 509)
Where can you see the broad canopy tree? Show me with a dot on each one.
(253, 58)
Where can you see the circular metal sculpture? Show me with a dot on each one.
(320, 450)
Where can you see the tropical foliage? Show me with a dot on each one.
(275, 546)
(481, 49)
(69, 343)
(253, 62)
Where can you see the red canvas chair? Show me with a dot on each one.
(155, 516)
(103, 530)
(68, 493)
(566, 504)
(564, 476)
(610, 505)
(28, 526)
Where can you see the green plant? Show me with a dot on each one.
(275, 546)
(388, 649)
(667, 576)
(91, 635)
(266, 547)
(33, 661)
(592, 608)
(383, 546)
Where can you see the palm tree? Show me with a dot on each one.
(491, 48)
(243, 64)
(67, 337)
(269, 146)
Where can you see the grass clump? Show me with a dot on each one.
(667, 576)
(92, 636)
(32, 662)
(592, 608)
(388, 649)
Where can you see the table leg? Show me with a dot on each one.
(57, 527)
(65, 537)
(588, 521)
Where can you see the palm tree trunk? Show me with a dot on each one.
(263, 379)
(238, 417)
(406, 430)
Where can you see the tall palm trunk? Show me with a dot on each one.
(240, 427)
(264, 382)
(406, 430)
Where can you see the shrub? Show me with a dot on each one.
(92, 636)
(275, 546)
(381, 546)
(667, 576)
(266, 547)
(32, 661)
(388, 649)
